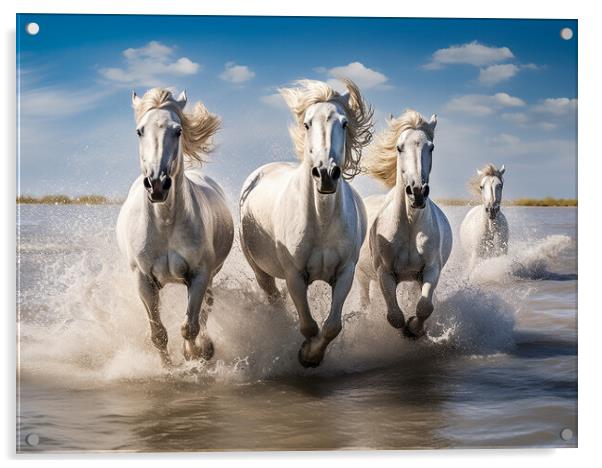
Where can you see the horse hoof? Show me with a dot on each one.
(166, 360)
(412, 331)
(396, 322)
(193, 352)
(305, 361)
(207, 350)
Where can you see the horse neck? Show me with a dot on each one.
(167, 212)
(322, 208)
(402, 203)
(490, 226)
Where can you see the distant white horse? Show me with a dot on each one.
(175, 226)
(304, 222)
(484, 230)
(409, 238)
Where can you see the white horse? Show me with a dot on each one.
(484, 230)
(304, 222)
(410, 238)
(175, 226)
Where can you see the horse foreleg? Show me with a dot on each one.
(148, 291)
(388, 286)
(196, 320)
(424, 308)
(268, 284)
(312, 351)
(297, 288)
(363, 281)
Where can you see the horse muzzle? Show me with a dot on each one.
(326, 180)
(418, 195)
(157, 188)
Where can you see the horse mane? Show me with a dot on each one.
(358, 112)
(381, 158)
(198, 126)
(474, 184)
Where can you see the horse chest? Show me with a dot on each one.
(409, 256)
(170, 267)
(167, 259)
(322, 264)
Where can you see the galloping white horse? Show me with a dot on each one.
(304, 222)
(410, 238)
(484, 230)
(175, 226)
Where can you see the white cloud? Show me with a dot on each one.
(556, 106)
(546, 126)
(274, 100)
(57, 102)
(519, 118)
(494, 74)
(531, 66)
(503, 139)
(150, 65)
(472, 53)
(236, 73)
(481, 104)
(363, 76)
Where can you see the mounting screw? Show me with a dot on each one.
(566, 434)
(32, 28)
(32, 439)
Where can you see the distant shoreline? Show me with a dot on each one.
(539, 202)
(67, 200)
(102, 200)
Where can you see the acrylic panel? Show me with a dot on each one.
(295, 233)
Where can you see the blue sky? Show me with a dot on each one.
(505, 92)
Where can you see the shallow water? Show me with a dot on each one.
(498, 367)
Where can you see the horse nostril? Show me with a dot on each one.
(147, 183)
(167, 183)
(409, 190)
(315, 172)
(335, 173)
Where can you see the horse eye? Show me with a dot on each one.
(399, 148)
(178, 131)
(139, 132)
(344, 124)
(306, 125)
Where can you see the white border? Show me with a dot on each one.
(590, 32)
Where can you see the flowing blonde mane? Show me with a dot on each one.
(381, 158)
(358, 112)
(474, 184)
(198, 126)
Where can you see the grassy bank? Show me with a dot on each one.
(547, 201)
(102, 200)
(66, 200)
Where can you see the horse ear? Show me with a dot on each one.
(502, 169)
(135, 99)
(432, 123)
(181, 100)
(479, 172)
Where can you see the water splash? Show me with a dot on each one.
(527, 260)
(83, 323)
